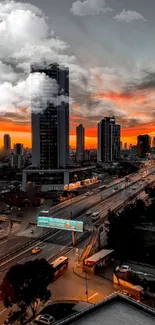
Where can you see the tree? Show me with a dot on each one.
(26, 284)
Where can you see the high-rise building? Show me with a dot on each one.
(153, 142)
(121, 145)
(143, 145)
(7, 142)
(108, 140)
(50, 129)
(125, 145)
(18, 149)
(80, 143)
(87, 155)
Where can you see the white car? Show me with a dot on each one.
(88, 213)
(44, 319)
(124, 268)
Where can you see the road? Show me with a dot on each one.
(74, 287)
(85, 203)
(55, 243)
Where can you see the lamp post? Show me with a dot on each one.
(86, 286)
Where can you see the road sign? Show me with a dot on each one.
(62, 224)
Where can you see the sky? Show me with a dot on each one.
(109, 48)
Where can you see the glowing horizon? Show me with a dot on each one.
(22, 133)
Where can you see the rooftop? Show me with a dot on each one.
(35, 170)
(114, 310)
(101, 254)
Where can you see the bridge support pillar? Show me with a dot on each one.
(74, 238)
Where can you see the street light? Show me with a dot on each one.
(86, 283)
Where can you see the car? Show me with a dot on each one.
(44, 319)
(36, 250)
(124, 268)
(88, 213)
(87, 194)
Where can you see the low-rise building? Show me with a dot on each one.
(58, 179)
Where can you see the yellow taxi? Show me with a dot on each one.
(36, 250)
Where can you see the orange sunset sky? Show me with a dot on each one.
(134, 110)
(22, 133)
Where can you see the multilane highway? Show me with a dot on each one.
(56, 243)
(80, 204)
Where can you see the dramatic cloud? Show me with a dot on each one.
(89, 8)
(25, 36)
(94, 92)
(146, 83)
(129, 16)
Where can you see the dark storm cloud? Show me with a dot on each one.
(146, 83)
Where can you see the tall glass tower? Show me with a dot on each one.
(50, 128)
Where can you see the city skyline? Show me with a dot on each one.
(110, 58)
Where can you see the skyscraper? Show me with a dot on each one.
(7, 142)
(108, 140)
(143, 145)
(153, 142)
(80, 143)
(18, 149)
(50, 129)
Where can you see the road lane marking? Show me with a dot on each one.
(23, 252)
(2, 311)
(51, 248)
(95, 294)
(62, 248)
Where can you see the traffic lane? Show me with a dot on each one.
(65, 239)
(95, 198)
(9, 244)
(48, 250)
(92, 199)
(21, 254)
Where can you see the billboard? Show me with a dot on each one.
(62, 224)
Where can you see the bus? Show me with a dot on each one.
(43, 213)
(95, 216)
(59, 265)
(103, 187)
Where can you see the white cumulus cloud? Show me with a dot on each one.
(129, 16)
(26, 39)
(89, 7)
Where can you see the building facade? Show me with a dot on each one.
(143, 145)
(7, 142)
(80, 143)
(50, 129)
(58, 179)
(18, 149)
(108, 140)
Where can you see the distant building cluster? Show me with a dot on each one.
(51, 156)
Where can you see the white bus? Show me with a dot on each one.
(95, 216)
